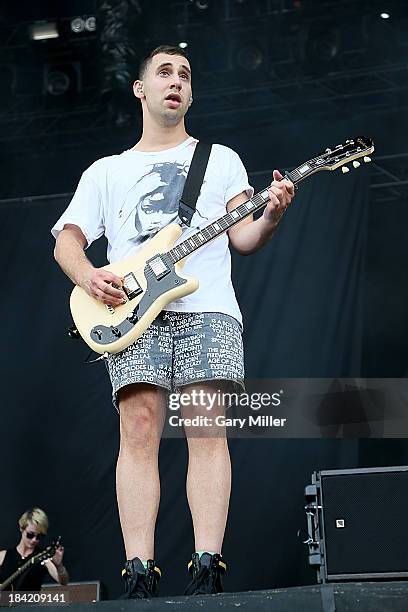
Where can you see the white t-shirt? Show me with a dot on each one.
(131, 196)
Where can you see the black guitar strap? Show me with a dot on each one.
(193, 182)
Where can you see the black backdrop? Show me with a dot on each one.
(309, 299)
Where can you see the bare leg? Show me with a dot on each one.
(209, 473)
(142, 413)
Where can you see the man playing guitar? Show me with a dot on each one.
(195, 344)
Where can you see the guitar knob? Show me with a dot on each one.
(345, 169)
(356, 164)
(367, 159)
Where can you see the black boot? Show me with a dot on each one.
(141, 583)
(206, 574)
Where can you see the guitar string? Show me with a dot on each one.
(187, 243)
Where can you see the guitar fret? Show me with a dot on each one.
(259, 200)
(292, 176)
(219, 226)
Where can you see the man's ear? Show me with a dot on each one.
(138, 89)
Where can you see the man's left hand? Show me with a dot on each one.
(57, 558)
(281, 193)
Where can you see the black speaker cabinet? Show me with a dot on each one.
(358, 523)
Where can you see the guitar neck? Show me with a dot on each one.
(331, 159)
(218, 227)
(224, 223)
(17, 573)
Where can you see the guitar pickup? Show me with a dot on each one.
(131, 286)
(158, 267)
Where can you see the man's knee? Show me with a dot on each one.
(142, 409)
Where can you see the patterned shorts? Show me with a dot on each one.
(179, 348)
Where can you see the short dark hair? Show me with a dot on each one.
(168, 49)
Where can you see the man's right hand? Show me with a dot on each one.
(98, 282)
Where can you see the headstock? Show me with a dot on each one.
(48, 552)
(339, 156)
(351, 151)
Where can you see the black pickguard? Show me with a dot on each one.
(104, 335)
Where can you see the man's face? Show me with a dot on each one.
(167, 87)
(31, 536)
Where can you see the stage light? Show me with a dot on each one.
(77, 25)
(183, 45)
(90, 24)
(62, 79)
(82, 24)
(43, 30)
(57, 83)
(385, 15)
(202, 4)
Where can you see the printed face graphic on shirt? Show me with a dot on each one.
(158, 205)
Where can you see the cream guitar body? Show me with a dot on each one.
(151, 281)
(153, 278)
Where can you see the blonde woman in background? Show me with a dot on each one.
(33, 526)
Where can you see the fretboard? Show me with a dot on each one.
(221, 225)
(331, 159)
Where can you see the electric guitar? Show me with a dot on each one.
(42, 556)
(153, 277)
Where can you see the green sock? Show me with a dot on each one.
(201, 552)
(144, 564)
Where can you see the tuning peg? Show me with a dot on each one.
(345, 169)
(356, 164)
(367, 159)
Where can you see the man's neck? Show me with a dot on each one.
(159, 138)
(23, 551)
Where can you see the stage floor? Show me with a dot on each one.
(348, 597)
